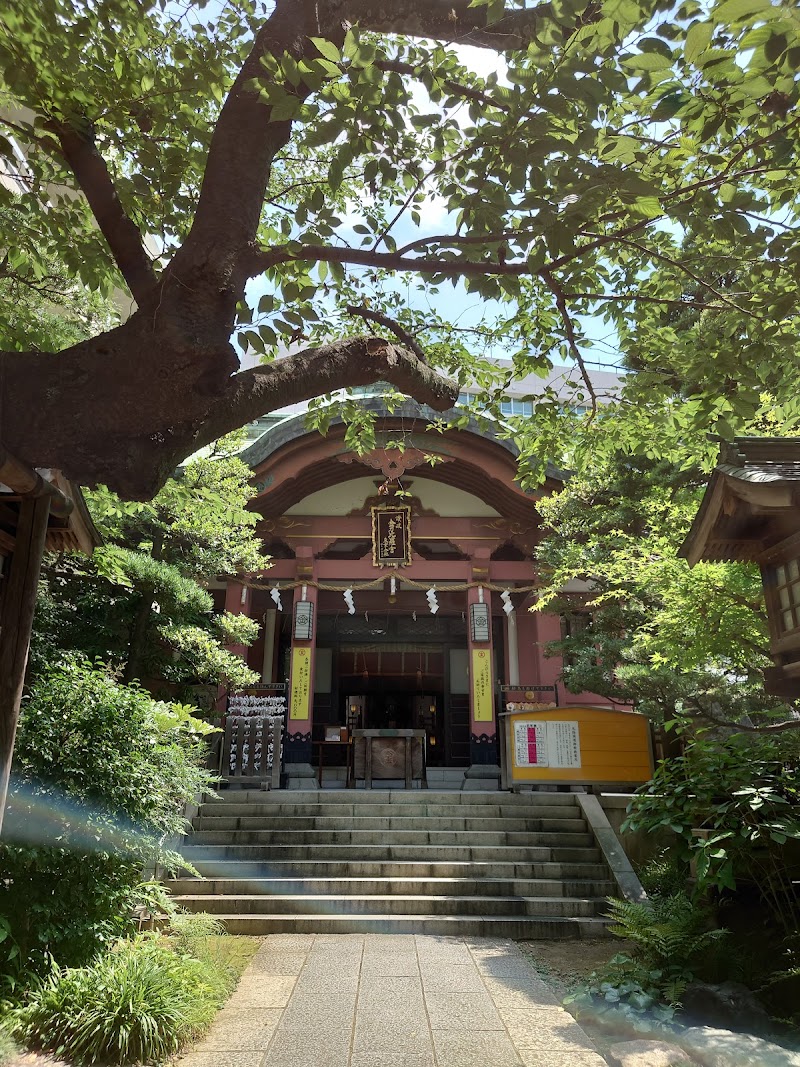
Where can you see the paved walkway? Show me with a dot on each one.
(391, 1001)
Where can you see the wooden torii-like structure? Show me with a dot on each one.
(39, 511)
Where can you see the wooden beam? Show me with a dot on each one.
(16, 619)
(24, 481)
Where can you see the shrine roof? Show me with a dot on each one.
(294, 427)
(752, 500)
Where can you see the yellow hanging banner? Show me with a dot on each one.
(300, 700)
(482, 710)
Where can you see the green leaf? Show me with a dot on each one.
(741, 10)
(698, 39)
(327, 49)
(649, 206)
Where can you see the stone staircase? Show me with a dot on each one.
(467, 864)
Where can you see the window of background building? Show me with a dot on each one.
(511, 406)
(788, 593)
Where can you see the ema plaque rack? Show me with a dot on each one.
(252, 746)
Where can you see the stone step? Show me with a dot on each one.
(531, 928)
(236, 870)
(456, 886)
(218, 822)
(306, 904)
(268, 813)
(394, 799)
(365, 838)
(435, 862)
(270, 853)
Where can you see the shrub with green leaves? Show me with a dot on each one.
(8, 1048)
(745, 799)
(630, 990)
(671, 932)
(100, 778)
(139, 1003)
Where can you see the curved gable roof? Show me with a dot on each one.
(290, 461)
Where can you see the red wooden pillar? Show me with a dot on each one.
(482, 711)
(301, 673)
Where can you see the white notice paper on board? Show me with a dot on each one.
(547, 743)
(563, 744)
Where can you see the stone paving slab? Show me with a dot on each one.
(391, 1001)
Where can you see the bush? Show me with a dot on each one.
(747, 801)
(139, 1003)
(8, 1048)
(664, 875)
(101, 775)
(671, 941)
(203, 936)
(629, 989)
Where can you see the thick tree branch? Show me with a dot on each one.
(453, 21)
(262, 260)
(766, 728)
(389, 324)
(315, 371)
(89, 428)
(121, 233)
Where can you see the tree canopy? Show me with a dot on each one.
(686, 646)
(273, 170)
(140, 603)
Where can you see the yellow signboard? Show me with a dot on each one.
(482, 709)
(578, 745)
(300, 700)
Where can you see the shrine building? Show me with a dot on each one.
(400, 588)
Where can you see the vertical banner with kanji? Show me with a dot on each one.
(482, 709)
(300, 700)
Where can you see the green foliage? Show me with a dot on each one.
(8, 1048)
(667, 931)
(42, 306)
(139, 1003)
(664, 875)
(101, 775)
(679, 642)
(139, 602)
(672, 943)
(740, 796)
(626, 991)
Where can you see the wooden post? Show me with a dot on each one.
(19, 602)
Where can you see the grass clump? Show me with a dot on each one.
(8, 1048)
(142, 1002)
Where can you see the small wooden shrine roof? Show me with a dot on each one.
(70, 527)
(751, 502)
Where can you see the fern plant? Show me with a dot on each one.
(671, 931)
(670, 935)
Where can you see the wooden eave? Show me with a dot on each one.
(69, 528)
(739, 518)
